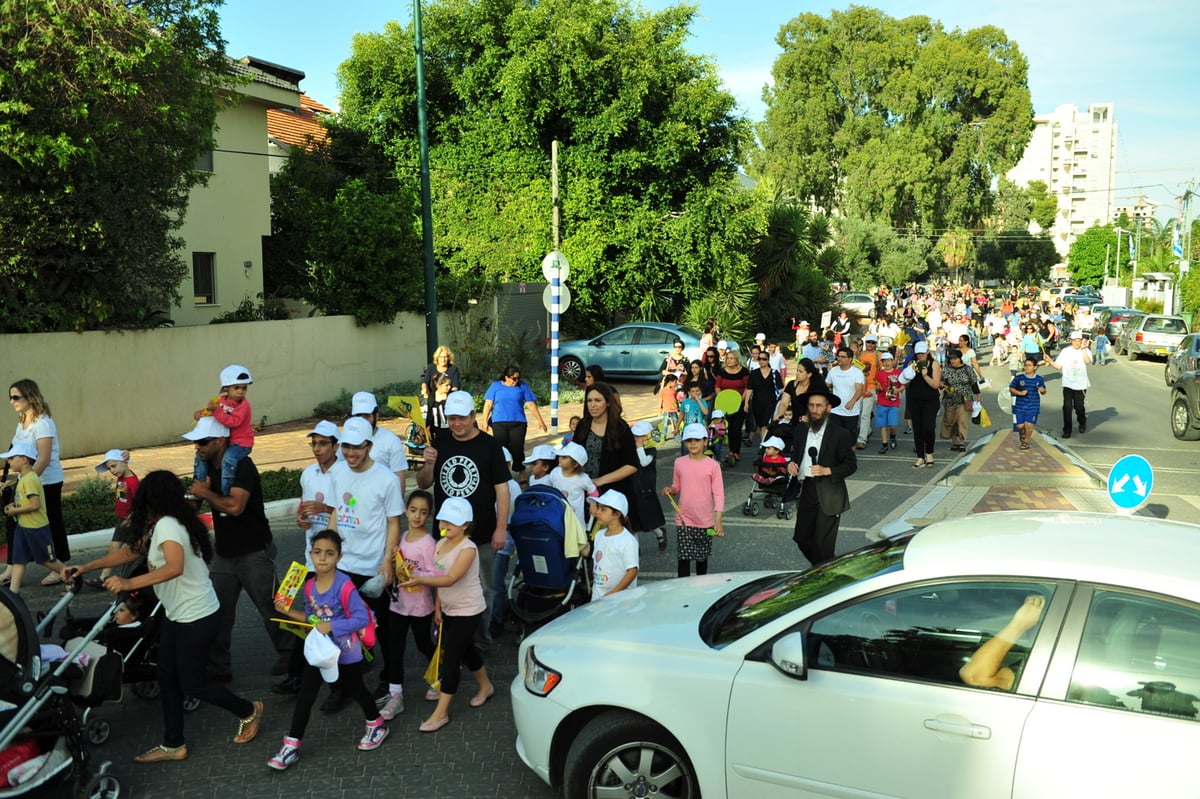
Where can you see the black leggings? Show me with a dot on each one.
(735, 422)
(458, 649)
(924, 422)
(396, 641)
(512, 435)
(349, 681)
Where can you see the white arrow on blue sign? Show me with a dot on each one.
(1130, 481)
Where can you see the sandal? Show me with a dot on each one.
(920, 464)
(1024, 445)
(53, 578)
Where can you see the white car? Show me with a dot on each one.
(851, 679)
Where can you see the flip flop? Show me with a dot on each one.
(53, 578)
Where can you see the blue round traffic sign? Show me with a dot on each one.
(1130, 481)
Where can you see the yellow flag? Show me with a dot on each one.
(407, 408)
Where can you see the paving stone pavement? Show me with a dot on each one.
(474, 757)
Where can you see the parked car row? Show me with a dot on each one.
(1151, 334)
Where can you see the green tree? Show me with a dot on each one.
(791, 261)
(893, 119)
(649, 145)
(1012, 209)
(344, 233)
(873, 254)
(1017, 256)
(1095, 249)
(104, 109)
(956, 248)
(1043, 205)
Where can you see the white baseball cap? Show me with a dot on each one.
(460, 403)
(356, 432)
(573, 450)
(456, 510)
(22, 448)
(722, 344)
(324, 428)
(363, 402)
(320, 651)
(694, 430)
(542, 452)
(207, 427)
(718, 414)
(921, 346)
(1076, 334)
(642, 428)
(111, 455)
(235, 375)
(760, 336)
(612, 499)
(773, 441)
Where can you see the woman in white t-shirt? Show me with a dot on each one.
(35, 427)
(177, 548)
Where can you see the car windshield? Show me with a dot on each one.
(762, 601)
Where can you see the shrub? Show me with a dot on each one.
(90, 506)
(338, 408)
(280, 484)
(1148, 305)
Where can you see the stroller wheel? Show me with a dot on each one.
(146, 690)
(190, 703)
(754, 509)
(98, 731)
(746, 508)
(769, 502)
(100, 786)
(786, 512)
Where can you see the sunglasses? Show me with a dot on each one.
(203, 442)
(14, 397)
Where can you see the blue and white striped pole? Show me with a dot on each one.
(555, 270)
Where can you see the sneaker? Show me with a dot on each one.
(893, 443)
(288, 754)
(393, 707)
(375, 735)
(662, 538)
(884, 449)
(433, 695)
(1083, 427)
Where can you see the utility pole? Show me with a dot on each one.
(431, 321)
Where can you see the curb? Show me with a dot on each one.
(279, 510)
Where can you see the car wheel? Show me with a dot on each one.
(1181, 420)
(1132, 353)
(570, 369)
(620, 753)
(1167, 374)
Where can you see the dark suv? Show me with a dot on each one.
(1185, 407)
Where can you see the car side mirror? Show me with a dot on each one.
(787, 655)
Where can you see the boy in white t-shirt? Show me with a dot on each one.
(570, 478)
(615, 550)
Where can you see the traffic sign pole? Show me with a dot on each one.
(555, 269)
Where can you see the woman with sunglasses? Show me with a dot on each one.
(35, 427)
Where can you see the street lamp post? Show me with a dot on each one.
(431, 323)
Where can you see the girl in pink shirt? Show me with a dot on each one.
(458, 610)
(701, 507)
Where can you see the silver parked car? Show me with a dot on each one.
(1152, 334)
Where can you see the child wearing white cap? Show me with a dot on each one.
(615, 552)
(540, 463)
(116, 463)
(230, 409)
(570, 478)
(650, 515)
(31, 541)
(697, 481)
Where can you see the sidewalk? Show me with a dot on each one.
(285, 445)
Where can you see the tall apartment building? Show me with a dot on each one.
(1075, 154)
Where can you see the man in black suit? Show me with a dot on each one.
(823, 459)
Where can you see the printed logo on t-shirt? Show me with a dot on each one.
(459, 476)
(347, 513)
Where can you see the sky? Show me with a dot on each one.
(1139, 56)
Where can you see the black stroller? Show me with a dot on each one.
(770, 478)
(546, 583)
(42, 726)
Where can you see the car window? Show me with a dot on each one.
(928, 633)
(1140, 654)
(619, 336)
(1164, 324)
(762, 601)
(652, 335)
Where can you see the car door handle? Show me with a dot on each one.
(966, 729)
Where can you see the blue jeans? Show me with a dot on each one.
(182, 652)
(500, 580)
(229, 463)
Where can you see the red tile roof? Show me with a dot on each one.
(295, 127)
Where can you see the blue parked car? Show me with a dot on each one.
(633, 350)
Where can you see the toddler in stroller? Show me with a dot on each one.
(770, 479)
(718, 435)
(551, 543)
(43, 738)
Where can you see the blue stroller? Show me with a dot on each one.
(546, 583)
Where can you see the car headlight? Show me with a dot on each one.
(540, 679)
